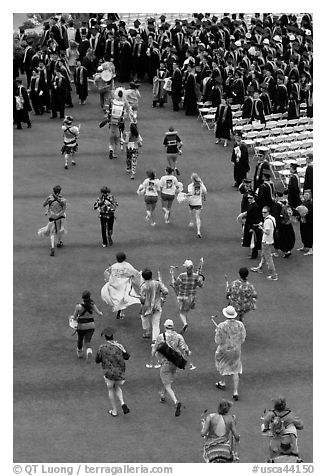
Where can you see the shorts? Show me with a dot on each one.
(186, 303)
(195, 207)
(167, 198)
(150, 199)
(110, 383)
(66, 149)
(172, 156)
(167, 373)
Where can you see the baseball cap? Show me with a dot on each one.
(169, 324)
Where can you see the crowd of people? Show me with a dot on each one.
(265, 66)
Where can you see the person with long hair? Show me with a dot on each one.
(219, 429)
(150, 188)
(134, 141)
(196, 194)
(85, 324)
(170, 186)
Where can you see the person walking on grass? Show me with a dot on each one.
(267, 244)
(150, 188)
(173, 145)
(70, 136)
(170, 186)
(134, 141)
(112, 357)
(85, 324)
(107, 205)
(229, 336)
(196, 195)
(168, 369)
(56, 211)
(241, 294)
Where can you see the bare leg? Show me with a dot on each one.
(171, 393)
(235, 384)
(198, 222)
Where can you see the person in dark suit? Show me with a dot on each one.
(308, 178)
(139, 58)
(266, 191)
(280, 96)
(21, 105)
(97, 44)
(58, 94)
(111, 50)
(240, 159)
(81, 83)
(176, 87)
(27, 61)
(36, 93)
(153, 58)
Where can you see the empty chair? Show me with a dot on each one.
(309, 126)
(235, 107)
(257, 126)
(271, 124)
(292, 122)
(295, 145)
(247, 128)
(277, 115)
(236, 113)
(303, 120)
(299, 128)
(287, 130)
(282, 122)
(209, 119)
(250, 139)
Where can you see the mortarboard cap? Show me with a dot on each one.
(162, 17)
(200, 16)
(137, 23)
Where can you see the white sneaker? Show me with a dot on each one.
(153, 223)
(191, 224)
(89, 355)
(80, 353)
(166, 216)
(147, 217)
(309, 252)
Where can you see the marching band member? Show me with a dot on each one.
(70, 136)
(56, 211)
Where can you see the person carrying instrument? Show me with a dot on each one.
(185, 286)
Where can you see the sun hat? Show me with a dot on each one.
(188, 263)
(229, 312)
(169, 324)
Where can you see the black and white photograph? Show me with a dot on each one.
(163, 239)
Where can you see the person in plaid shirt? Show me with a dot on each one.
(241, 294)
(185, 287)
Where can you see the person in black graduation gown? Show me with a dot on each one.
(176, 86)
(294, 187)
(190, 97)
(240, 159)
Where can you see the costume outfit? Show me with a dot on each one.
(223, 122)
(185, 286)
(70, 136)
(229, 336)
(242, 296)
(85, 327)
(240, 159)
(57, 217)
(151, 188)
(112, 356)
(217, 445)
(107, 205)
(152, 295)
(120, 277)
(133, 144)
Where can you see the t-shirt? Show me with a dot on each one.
(171, 140)
(169, 184)
(151, 186)
(269, 224)
(196, 192)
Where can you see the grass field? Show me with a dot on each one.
(60, 402)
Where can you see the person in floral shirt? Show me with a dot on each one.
(112, 356)
(229, 336)
(241, 294)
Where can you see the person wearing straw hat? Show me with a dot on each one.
(168, 369)
(229, 336)
(112, 356)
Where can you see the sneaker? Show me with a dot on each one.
(52, 252)
(111, 154)
(66, 167)
(190, 224)
(157, 366)
(287, 254)
(162, 398)
(177, 409)
(153, 223)
(128, 171)
(225, 144)
(132, 177)
(177, 171)
(146, 335)
(217, 141)
(301, 249)
(256, 270)
(235, 397)
(192, 367)
(89, 355)
(73, 162)
(272, 277)
(80, 353)
(60, 244)
(310, 252)
(103, 245)
(199, 235)
(275, 255)
(125, 409)
(149, 366)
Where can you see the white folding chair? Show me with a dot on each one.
(282, 123)
(277, 115)
(299, 128)
(288, 130)
(303, 120)
(209, 119)
(247, 128)
(271, 124)
(292, 122)
(257, 126)
(250, 139)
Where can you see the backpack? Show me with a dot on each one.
(277, 425)
(116, 111)
(275, 230)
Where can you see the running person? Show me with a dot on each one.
(169, 188)
(134, 141)
(173, 145)
(70, 136)
(196, 194)
(150, 188)
(56, 211)
(85, 324)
